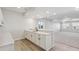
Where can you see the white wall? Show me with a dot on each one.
(1, 16)
(5, 36)
(15, 23)
(29, 23)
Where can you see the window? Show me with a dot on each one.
(40, 24)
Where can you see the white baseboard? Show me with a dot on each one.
(6, 43)
(19, 38)
(12, 42)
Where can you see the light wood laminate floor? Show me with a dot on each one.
(25, 45)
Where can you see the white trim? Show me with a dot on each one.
(6, 43)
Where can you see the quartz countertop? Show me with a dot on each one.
(43, 33)
(39, 32)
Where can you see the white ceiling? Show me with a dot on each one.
(51, 9)
(47, 11)
(15, 9)
(41, 12)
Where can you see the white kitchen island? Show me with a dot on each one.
(41, 39)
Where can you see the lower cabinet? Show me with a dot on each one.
(28, 35)
(33, 37)
(44, 41)
(40, 41)
(37, 39)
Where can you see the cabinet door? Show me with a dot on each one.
(48, 42)
(37, 39)
(33, 35)
(43, 41)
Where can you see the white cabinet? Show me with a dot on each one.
(40, 41)
(37, 39)
(33, 38)
(28, 35)
(43, 40)
(49, 43)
